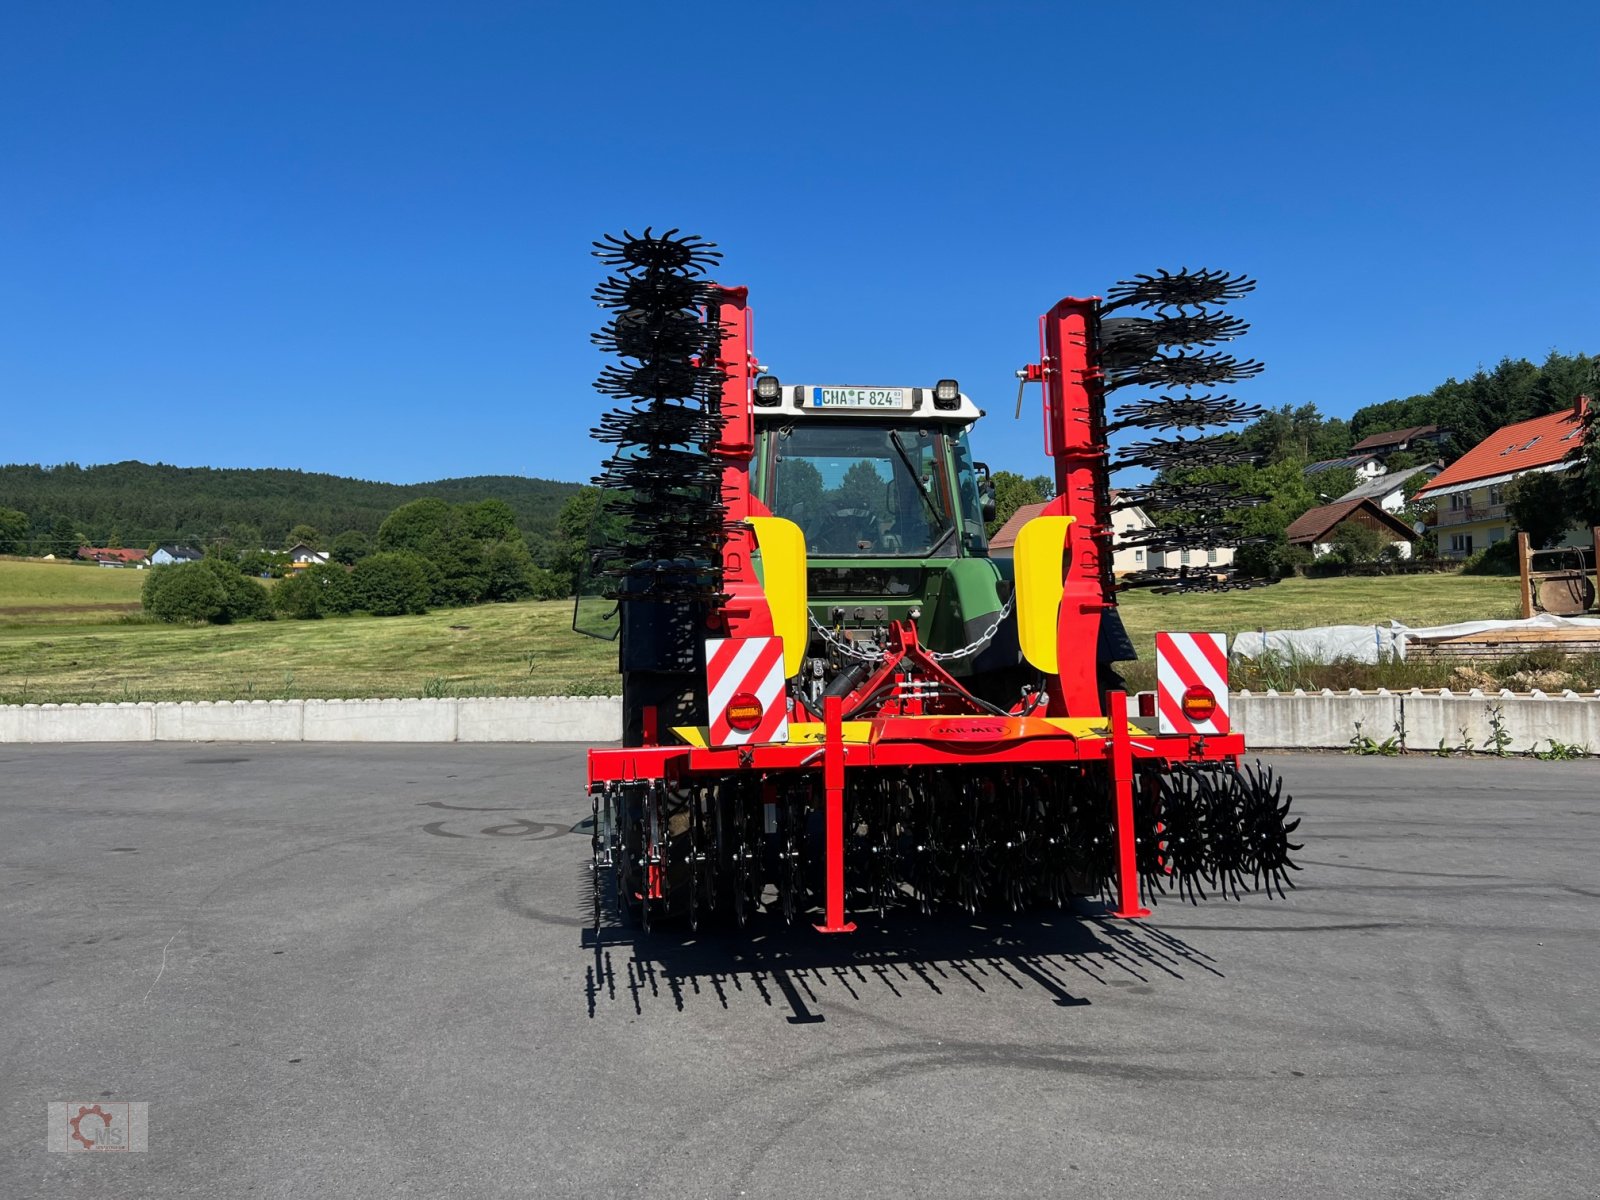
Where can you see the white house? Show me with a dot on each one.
(1125, 559)
(166, 555)
(1366, 466)
(302, 556)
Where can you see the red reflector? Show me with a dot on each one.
(1199, 703)
(744, 712)
(1147, 704)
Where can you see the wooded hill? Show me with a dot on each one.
(138, 504)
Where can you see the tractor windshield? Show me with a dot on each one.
(865, 490)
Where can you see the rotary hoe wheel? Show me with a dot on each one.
(1215, 826)
(791, 851)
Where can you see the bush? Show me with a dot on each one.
(390, 584)
(549, 585)
(247, 599)
(509, 569)
(184, 593)
(1270, 560)
(210, 590)
(1354, 542)
(316, 592)
(1498, 559)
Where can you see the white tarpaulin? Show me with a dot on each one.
(1330, 643)
(1370, 643)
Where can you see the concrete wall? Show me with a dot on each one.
(1269, 721)
(516, 719)
(1419, 720)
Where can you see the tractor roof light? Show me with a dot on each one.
(947, 394)
(744, 712)
(1199, 703)
(769, 391)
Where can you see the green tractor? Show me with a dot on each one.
(883, 483)
(884, 486)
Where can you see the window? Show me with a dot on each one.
(1211, 556)
(1531, 441)
(1497, 495)
(1184, 558)
(1458, 501)
(1497, 535)
(1138, 556)
(865, 489)
(1460, 543)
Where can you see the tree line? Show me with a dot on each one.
(426, 554)
(138, 505)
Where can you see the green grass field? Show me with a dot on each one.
(1304, 603)
(60, 593)
(492, 650)
(52, 652)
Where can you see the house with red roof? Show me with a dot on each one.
(1470, 494)
(108, 557)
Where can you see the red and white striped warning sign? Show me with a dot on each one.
(1192, 682)
(744, 680)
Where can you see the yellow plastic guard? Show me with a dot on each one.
(783, 577)
(1037, 557)
(855, 733)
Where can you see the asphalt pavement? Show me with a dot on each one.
(364, 971)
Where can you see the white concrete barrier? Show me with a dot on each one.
(230, 721)
(1419, 720)
(1269, 721)
(380, 720)
(540, 719)
(78, 723)
(507, 719)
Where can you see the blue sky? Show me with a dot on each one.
(354, 237)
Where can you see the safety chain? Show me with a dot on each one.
(987, 636)
(849, 648)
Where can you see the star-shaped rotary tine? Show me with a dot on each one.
(1182, 370)
(1166, 290)
(1184, 412)
(649, 253)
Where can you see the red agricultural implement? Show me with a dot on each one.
(836, 701)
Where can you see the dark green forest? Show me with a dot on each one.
(1471, 409)
(137, 504)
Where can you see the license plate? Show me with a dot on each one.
(858, 397)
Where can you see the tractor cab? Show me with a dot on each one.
(873, 473)
(882, 483)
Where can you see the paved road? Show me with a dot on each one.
(364, 972)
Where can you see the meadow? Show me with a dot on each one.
(33, 592)
(63, 637)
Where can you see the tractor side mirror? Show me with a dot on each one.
(985, 491)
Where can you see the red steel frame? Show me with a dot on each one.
(745, 612)
(902, 733)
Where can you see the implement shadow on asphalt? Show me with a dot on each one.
(1056, 956)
